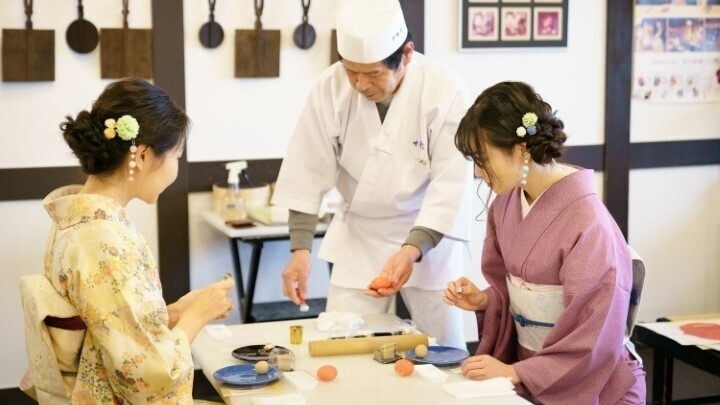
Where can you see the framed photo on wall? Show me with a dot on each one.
(512, 23)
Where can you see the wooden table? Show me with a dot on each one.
(666, 350)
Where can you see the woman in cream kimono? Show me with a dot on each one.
(136, 349)
(553, 318)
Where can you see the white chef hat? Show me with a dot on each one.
(369, 31)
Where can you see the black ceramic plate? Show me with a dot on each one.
(254, 352)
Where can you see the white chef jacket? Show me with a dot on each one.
(392, 175)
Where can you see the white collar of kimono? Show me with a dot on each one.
(524, 205)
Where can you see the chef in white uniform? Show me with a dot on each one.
(379, 126)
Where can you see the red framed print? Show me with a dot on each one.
(512, 23)
(516, 23)
(548, 23)
(483, 24)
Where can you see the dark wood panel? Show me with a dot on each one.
(647, 155)
(204, 174)
(414, 12)
(172, 206)
(618, 71)
(35, 183)
(587, 156)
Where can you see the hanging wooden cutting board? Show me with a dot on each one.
(257, 52)
(28, 55)
(125, 52)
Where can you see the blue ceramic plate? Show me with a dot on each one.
(439, 356)
(244, 375)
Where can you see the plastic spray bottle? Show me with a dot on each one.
(233, 207)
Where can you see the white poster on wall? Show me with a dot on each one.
(676, 56)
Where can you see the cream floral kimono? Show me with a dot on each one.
(98, 260)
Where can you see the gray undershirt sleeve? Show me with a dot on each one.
(423, 239)
(302, 230)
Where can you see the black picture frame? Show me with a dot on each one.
(512, 24)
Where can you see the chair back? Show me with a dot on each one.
(638, 269)
(53, 352)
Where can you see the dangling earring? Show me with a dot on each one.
(132, 163)
(524, 169)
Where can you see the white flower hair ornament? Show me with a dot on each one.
(126, 127)
(529, 121)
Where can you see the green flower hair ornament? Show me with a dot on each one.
(528, 125)
(126, 127)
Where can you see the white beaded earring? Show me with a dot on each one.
(132, 163)
(524, 169)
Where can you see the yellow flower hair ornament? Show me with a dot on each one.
(529, 121)
(126, 127)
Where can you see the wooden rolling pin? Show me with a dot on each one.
(360, 345)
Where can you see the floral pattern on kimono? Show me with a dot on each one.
(98, 260)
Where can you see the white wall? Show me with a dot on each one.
(252, 118)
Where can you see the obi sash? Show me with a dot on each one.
(535, 309)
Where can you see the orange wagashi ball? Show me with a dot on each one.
(404, 367)
(380, 282)
(327, 373)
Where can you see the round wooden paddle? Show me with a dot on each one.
(81, 35)
(304, 35)
(211, 33)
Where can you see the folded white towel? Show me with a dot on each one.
(218, 331)
(494, 387)
(337, 320)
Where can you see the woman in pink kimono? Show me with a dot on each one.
(136, 349)
(554, 316)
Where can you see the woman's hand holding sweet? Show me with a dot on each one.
(209, 303)
(462, 293)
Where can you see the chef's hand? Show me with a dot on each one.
(398, 268)
(462, 293)
(295, 276)
(484, 367)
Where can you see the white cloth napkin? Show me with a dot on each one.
(287, 399)
(337, 320)
(494, 387)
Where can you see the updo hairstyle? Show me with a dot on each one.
(163, 125)
(496, 115)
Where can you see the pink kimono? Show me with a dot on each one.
(568, 238)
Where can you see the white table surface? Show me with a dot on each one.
(360, 380)
(258, 231)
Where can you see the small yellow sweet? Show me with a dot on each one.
(421, 351)
(261, 367)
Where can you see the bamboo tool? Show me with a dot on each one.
(29, 54)
(304, 34)
(211, 33)
(257, 52)
(125, 52)
(81, 35)
(361, 345)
